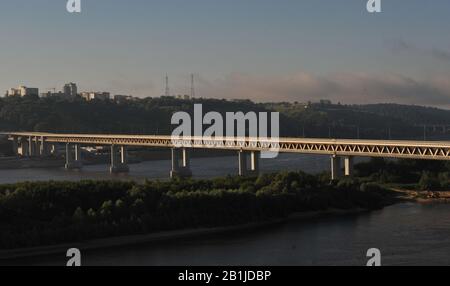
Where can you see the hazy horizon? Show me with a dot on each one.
(255, 49)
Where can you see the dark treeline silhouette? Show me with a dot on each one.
(152, 116)
(44, 213)
(425, 175)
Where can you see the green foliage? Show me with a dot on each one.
(55, 212)
(444, 180)
(428, 181)
(152, 115)
(425, 174)
(371, 187)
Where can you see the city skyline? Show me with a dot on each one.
(295, 50)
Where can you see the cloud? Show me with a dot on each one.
(399, 45)
(402, 46)
(339, 87)
(440, 54)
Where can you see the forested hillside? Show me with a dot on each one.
(152, 116)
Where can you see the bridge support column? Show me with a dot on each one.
(348, 166)
(336, 171)
(248, 168)
(37, 144)
(32, 147)
(73, 162)
(181, 163)
(23, 145)
(15, 143)
(119, 160)
(44, 148)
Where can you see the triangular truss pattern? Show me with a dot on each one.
(368, 148)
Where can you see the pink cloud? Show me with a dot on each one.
(347, 88)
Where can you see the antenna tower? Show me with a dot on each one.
(167, 93)
(192, 86)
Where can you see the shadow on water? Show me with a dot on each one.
(406, 234)
(201, 167)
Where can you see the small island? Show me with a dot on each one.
(37, 215)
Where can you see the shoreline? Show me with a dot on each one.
(423, 197)
(165, 236)
(403, 195)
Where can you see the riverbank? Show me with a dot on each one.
(423, 197)
(165, 236)
(35, 214)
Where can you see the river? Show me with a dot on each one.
(201, 168)
(406, 234)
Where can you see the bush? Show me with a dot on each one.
(444, 180)
(372, 187)
(428, 182)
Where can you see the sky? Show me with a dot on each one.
(264, 50)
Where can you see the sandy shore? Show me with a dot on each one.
(162, 236)
(423, 196)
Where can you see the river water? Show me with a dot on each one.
(201, 168)
(406, 234)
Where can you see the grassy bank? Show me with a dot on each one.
(47, 213)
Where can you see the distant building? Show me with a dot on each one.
(22, 91)
(185, 97)
(325, 102)
(51, 94)
(119, 97)
(70, 90)
(88, 96)
(13, 92)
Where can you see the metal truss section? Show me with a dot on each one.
(430, 150)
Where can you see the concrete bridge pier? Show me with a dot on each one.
(119, 160)
(248, 163)
(336, 171)
(44, 147)
(23, 146)
(73, 162)
(37, 144)
(15, 143)
(32, 147)
(181, 163)
(348, 166)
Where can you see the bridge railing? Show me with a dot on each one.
(438, 150)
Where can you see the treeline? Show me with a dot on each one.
(426, 175)
(152, 116)
(45, 213)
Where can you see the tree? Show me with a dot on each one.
(106, 209)
(78, 215)
(428, 181)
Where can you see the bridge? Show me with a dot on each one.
(248, 149)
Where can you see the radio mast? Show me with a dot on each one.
(192, 86)
(167, 93)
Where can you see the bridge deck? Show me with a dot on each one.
(437, 150)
